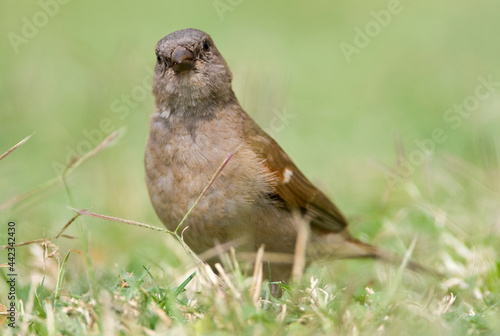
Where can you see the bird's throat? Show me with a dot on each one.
(187, 105)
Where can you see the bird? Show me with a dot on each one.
(259, 197)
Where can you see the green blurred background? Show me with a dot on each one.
(350, 121)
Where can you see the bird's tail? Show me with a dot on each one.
(356, 249)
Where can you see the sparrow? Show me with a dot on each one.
(259, 195)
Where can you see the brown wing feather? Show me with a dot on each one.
(296, 191)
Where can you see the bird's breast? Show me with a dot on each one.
(180, 162)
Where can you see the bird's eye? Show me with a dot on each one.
(206, 45)
(158, 58)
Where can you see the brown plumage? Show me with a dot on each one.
(197, 124)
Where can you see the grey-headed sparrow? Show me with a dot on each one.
(259, 194)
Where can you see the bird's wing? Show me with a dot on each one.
(293, 189)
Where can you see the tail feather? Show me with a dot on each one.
(355, 249)
(370, 251)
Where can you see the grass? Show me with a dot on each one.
(353, 125)
(381, 299)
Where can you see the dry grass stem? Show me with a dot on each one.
(209, 184)
(299, 261)
(257, 276)
(20, 143)
(121, 220)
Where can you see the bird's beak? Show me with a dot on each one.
(182, 59)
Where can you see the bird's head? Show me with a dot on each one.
(189, 71)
